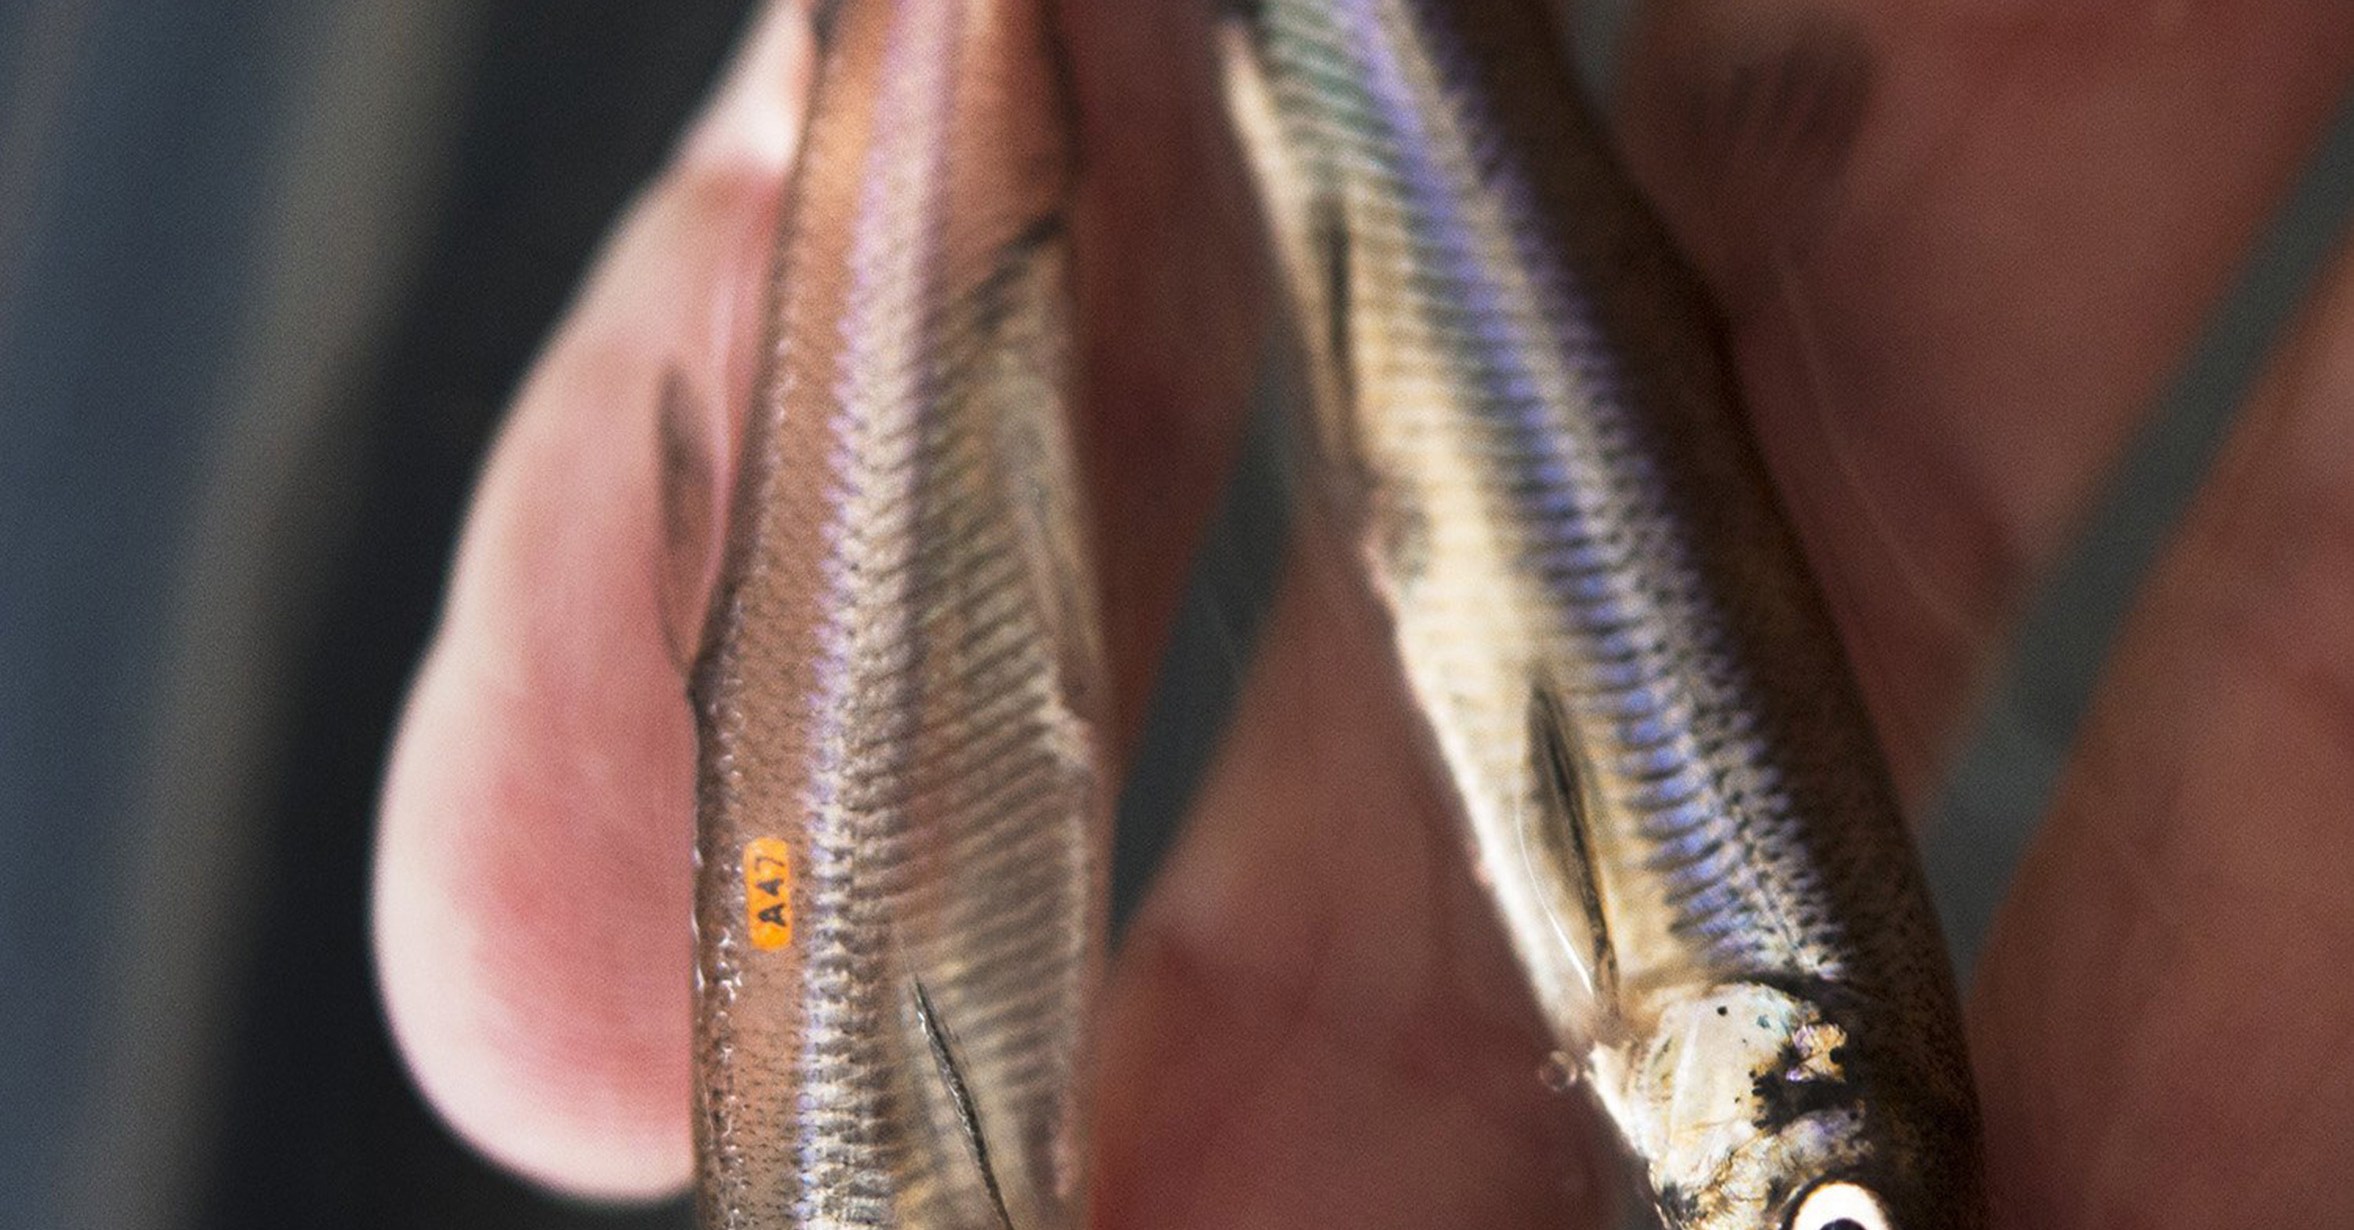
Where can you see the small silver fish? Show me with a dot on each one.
(903, 804)
(1603, 621)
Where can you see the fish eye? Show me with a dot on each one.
(1840, 1206)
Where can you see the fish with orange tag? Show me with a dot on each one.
(903, 810)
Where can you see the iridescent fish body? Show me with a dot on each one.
(903, 805)
(1603, 621)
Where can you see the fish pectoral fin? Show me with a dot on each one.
(1553, 762)
(960, 1093)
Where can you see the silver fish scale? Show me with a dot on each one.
(1641, 652)
(1672, 795)
(1542, 510)
(902, 678)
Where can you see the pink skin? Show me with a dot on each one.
(1944, 334)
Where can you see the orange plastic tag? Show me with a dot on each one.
(768, 892)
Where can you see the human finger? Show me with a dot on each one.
(2162, 1011)
(1961, 248)
(1315, 1021)
(532, 881)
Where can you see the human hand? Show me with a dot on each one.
(1947, 315)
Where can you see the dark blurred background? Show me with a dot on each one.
(268, 273)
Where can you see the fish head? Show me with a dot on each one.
(1760, 1107)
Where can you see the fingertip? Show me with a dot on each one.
(533, 887)
(757, 115)
(553, 1059)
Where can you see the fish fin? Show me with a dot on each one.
(960, 1093)
(1554, 763)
